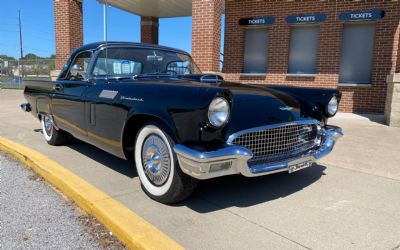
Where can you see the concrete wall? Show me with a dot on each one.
(392, 108)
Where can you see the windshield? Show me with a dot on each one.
(130, 62)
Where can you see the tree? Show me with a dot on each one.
(33, 64)
(8, 58)
(31, 56)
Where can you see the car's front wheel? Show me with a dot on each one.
(157, 167)
(51, 134)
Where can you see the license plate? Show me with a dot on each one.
(299, 166)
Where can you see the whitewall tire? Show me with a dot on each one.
(50, 133)
(157, 167)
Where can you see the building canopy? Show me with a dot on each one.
(155, 8)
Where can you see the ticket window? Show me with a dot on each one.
(256, 51)
(357, 53)
(303, 50)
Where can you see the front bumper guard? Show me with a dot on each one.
(232, 159)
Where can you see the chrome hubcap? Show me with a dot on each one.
(156, 160)
(48, 126)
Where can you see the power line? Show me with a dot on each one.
(41, 30)
(41, 50)
(38, 37)
(30, 34)
(9, 24)
(25, 47)
(7, 45)
(30, 28)
(9, 30)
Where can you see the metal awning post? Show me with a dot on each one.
(105, 21)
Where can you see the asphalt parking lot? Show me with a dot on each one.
(350, 200)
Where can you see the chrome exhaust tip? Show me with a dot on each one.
(26, 107)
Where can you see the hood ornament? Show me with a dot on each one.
(287, 108)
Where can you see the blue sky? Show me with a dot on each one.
(38, 27)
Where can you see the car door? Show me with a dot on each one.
(68, 102)
(106, 115)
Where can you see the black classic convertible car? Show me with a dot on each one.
(152, 104)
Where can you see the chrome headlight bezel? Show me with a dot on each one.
(218, 111)
(332, 107)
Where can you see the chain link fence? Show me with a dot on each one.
(14, 72)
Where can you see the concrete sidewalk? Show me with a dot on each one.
(351, 200)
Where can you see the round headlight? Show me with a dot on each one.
(218, 112)
(332, 107)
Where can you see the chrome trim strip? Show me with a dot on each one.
(198, 164)
(220, 154)
(233, 136)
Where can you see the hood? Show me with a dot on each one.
(255, 106)
(252, 105)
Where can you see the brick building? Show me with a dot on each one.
(350, 45)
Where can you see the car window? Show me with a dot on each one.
(82, 60)
(136, 61)
(112, 66)
(179, 67)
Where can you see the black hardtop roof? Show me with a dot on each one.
(97, 45)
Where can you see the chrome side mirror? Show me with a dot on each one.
(76, 70)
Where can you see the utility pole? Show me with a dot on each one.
(20, 45)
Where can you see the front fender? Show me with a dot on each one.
(313, 101)
(156, 114)
(187, 126)
(182, 107)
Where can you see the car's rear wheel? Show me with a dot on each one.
(157, 167)
(51, 134)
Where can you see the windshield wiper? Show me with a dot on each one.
(118, 78)
(139, 76)
(150, 75)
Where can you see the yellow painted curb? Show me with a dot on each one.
(129, 227)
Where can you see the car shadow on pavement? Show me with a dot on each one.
(219, 193)
(239, 191)
(113, 162)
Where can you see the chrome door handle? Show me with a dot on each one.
(58, 87)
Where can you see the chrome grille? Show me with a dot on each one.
(272, 144)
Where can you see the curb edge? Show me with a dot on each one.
(138, 234)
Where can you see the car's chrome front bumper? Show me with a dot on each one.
(232, 159)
